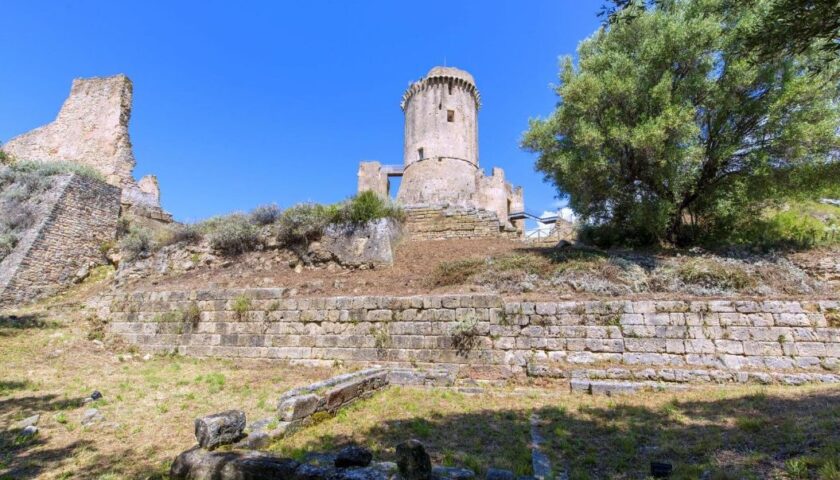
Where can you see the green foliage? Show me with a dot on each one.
(5, 158)
(136, 243)
(192, 314)
(304, 223)
(367, 206)
(669, 130)
(231, 234)
(798, 225)
(241, 305)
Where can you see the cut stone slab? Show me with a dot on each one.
(413, 461)
(364, 473)
(200, 464)
(298, 407)
(219, 429)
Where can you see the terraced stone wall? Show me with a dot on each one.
(484, 336)
(438, 223)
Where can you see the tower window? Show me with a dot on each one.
(450, 116)
(450, 88)
(420, 153)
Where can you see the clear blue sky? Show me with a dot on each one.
(238, 104)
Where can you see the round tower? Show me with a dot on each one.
(440, 155)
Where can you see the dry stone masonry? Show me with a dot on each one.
(440, 154)
(78, 216)
(485, 336)
(91, 129)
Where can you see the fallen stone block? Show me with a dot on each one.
(200, 464)
(219, 429)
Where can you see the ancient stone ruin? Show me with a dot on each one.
(441, 177)
(78, 216)
(91, 129)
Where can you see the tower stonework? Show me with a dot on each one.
(440, 154)
(440, 168)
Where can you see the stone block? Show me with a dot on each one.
(219, 429)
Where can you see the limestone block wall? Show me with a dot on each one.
(486, 336)
(440, 223)
(77, 216)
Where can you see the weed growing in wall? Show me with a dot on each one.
(241, 305)
(465, 334)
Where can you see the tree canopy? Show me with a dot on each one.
(670, 127)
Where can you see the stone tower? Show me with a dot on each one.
(440, 156)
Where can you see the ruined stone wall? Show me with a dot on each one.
(77, 217)
(372, 178)
(484, 336)
(91, 129)
(440, 223)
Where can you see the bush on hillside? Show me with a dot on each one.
(231, 234)
(265, 214)
(367, 206)
(303, 224)
(136, 243)
(182, 233)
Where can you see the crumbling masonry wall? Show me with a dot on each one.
(91, 129)
(77, 217)
(486, 336)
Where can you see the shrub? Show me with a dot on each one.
(8, 242)
(5, 158)
(189, 234)
(241, 305)
(367, 206)
(137, 242)
(304, 223)
(265, 214)
(465, 335)
(231, 234)
(711, 274)
(457, 272)
(47, 169)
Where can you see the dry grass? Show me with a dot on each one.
(49, 365)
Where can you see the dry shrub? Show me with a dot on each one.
(231, 234)
(457, 272)
(715, 275)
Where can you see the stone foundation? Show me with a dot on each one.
(440, 223)
(484, 336)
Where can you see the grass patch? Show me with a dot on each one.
(457, 272)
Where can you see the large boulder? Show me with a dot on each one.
(413, 461)
(199, 464)
(370, 244)
(219, 429)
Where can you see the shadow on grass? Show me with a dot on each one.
(753, 436)
(12, 325)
